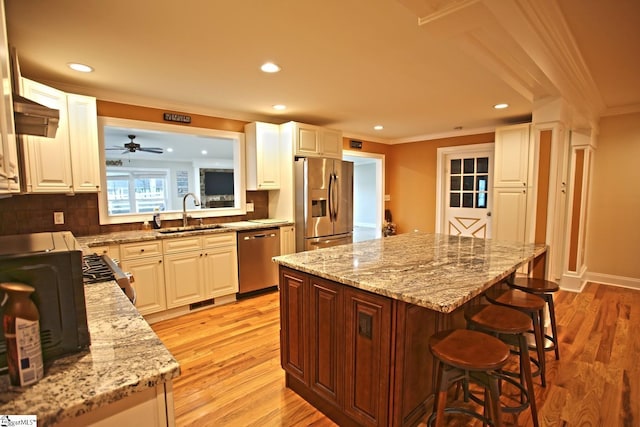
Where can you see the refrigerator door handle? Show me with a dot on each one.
(336, 197)
(330, 197)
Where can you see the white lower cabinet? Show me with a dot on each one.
(145, 262)
(183, 275)
(200, 268)
(148, 275)
(221, 271)
(173, 273)
(510, 214)
(287, 240)
(220, 264)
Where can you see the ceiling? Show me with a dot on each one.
(346, 64)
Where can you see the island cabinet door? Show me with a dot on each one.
(326, 347)
(367, 352)
(293, 324)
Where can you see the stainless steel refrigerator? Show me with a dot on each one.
(324, 203)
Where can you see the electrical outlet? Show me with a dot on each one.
(387, 197)
(58, 218)
(249, 207)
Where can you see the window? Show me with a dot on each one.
(469, 182)
(164, 168)
(136, 191)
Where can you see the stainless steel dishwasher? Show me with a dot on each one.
(256, 271)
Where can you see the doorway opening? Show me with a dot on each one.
(368, 194)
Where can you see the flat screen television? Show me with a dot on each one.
(218, 183)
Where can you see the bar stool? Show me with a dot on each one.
(467, 355)
(509, 325)
(544, 289)
(531, 305)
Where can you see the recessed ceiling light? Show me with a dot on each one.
(169, 150)
(279, 107)
(270, 67)
(204, 152)
(500, 106)
(80, 67)
(378, 127)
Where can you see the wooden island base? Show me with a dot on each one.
(359, 357)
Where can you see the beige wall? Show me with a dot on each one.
(613, 229)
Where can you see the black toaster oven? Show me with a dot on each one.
(52, 264)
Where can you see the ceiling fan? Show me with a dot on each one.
(132, 147)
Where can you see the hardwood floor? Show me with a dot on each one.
(231, 373)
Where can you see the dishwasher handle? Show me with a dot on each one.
(259, 236)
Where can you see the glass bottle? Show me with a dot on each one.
(21, 323)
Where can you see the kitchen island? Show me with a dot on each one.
(125, 378)
(356, 319)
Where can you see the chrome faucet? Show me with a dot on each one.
(184, 207)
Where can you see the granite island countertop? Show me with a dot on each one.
(436, 271)
(125, 357)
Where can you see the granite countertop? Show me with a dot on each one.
(125, 357)
(118, 237)
(436, 271)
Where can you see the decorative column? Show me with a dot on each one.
(583, 144)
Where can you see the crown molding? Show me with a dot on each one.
(527, 43)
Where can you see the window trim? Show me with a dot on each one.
(239, 167)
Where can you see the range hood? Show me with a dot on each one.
(32, 118)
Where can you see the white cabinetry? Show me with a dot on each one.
(199, 268)
(83, 142)
(512, 156)
(287, 240)
(144, 261)
(69, 162)
(183, 271)
(9, 173)
(220, 264)
(315, 141)
(511, 188)
(263, 156)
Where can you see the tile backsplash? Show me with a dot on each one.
(32, 213)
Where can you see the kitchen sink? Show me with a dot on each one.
(187, 228)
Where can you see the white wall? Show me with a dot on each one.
(364, 195)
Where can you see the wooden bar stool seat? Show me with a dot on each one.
(533, 306)
(510, 326)
(467, 355)
(544, 289)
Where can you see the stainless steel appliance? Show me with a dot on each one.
(256, 270)
(52, 264)
(324, 203)
(101, 268)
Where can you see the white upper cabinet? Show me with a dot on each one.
(9, 173)
(83, 141)
(331, 142)
(315, 141)
(68, 163)
(512, 156)
(48, 160)
(263, 156)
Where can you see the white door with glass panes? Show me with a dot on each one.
(468, 194)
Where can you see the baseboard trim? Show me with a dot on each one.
(609, 279)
